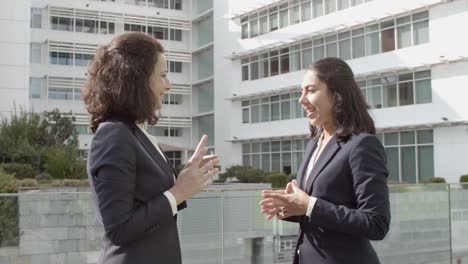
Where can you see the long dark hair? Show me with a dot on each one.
(118, 83)
(350, 111)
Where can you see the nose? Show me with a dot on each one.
(302, 99)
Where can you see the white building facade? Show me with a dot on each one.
(409, 58)
(47, 44)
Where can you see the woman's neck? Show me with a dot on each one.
(328, 130)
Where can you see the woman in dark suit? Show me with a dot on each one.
(340, 197)
(136, 191)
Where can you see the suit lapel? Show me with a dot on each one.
(323, 160)
(305, 161)
(154, 153)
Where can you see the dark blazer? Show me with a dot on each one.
(349, 181)
(128, 177)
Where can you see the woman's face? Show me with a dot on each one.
(316, 100)
(158, 80)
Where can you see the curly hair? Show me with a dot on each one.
(118, 83)
(350, 111)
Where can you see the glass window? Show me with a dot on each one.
(405, 91)
(263, 68)
(275, 111)
(306, 11)
(265, 112)
(284, 63)
(266, 162)
(374, 96)
(306, 58)
(284, 19)
(404, 36)
(245, 72)
(342, 4)
(388, 35)
(407, 138)
(274, 66)
(358, 43)
(245, 30)
(285, 110)
(245, 148)
(423, 91)
(330, 6)
(331, 46)
(254, 28)
(275, 146)
(276, 162)
(372, 40)
(295, 61)
(319, 49)
(264, 25)
(393, 164)
(294, 15)
(245, 115)
(391, 139)
(254, 70)
(35, 53)
(425, 136)
(425, 162)
(35, 85)
(421, 32)
(255, 113)
(389, 95)
(408, 164)
(274, 21)
(36, 18)
(344, 46)
(317, 8)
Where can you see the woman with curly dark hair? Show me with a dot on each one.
(340, 198)
(136, 191)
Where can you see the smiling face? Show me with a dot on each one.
(158, 80)
(316, 101)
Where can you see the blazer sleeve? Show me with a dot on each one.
(113, 168)
(371, 218)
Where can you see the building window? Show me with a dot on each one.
(82, 129)
(176, 34)
(175, 66)
(358, 42)
(174, 157)
(173, 99)
(35, 53)
(35, 87)
(61, 58)
(288, 13)
(107, 27)
(36, 18)
(272, 108)
(165, 131)
(82, 59)
(410, 155)
(397, 90)
(61, 23)
(274, 156)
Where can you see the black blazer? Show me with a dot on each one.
(128, 177)
(349, 181)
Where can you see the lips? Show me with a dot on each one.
(311, 113)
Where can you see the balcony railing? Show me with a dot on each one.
(429, 225)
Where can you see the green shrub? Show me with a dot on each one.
(44, 178)
(27, 183)
(20, 170)
(79, 170)
(59, 162)
(277, 179)
(245, 174)
(9, 228)
(291, 177)
(464, 179)
(75, 183)
(434, 180)
(7, 182)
